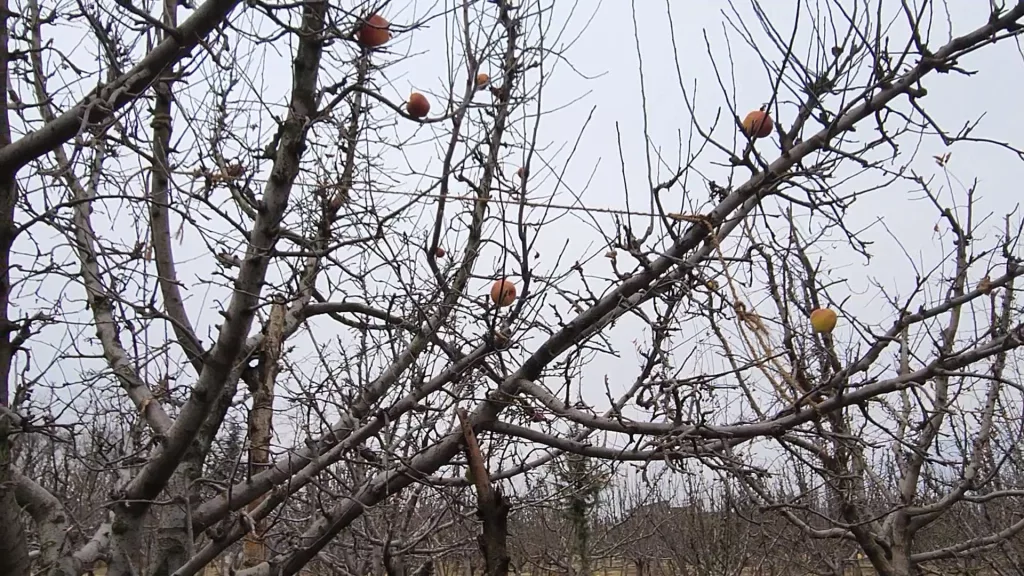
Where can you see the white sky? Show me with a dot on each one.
(604, 76)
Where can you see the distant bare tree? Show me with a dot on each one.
(889, 468)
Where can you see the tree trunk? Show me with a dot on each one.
(14, 558)
(261, 425)
(493, 542)
(492, 507)
(173, 539)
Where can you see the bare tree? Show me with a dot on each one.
(266, 300)
(947, 442)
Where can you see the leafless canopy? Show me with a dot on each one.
(245, 288)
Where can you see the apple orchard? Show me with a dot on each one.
(489, 286)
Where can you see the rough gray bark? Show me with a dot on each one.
(261, 423)
(14, 559)
(175, 538)
(51, 522)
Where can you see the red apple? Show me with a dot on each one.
(418, 106)
(758, 124)
(503, 293)
(374, 32)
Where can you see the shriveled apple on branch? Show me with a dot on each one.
(758, 124)
(374, 32)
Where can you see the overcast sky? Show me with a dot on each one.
(605, 76)
(600, 71)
